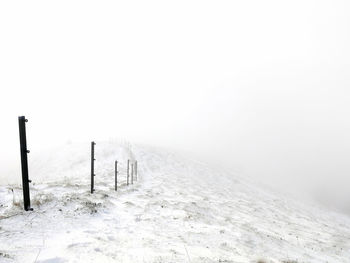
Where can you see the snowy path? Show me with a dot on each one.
(178, 211)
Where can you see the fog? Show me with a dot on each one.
(258, 87)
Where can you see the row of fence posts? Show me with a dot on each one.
(131, 171)
(24, 165)
(133, 167)
(130, 166)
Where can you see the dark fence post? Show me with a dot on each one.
(132, 173)
(136, 170)
(116, 175)
(24, 162)
(92, 166)
(127, 173)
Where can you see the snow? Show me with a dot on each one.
(179, 210)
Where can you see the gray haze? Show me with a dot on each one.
(260, 87)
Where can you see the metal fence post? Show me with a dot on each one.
(92, 166)
(132, 173)
(127, 173)
(24, 162)
(116, 176)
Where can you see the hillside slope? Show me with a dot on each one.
(178, 211)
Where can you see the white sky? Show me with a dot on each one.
(260, 86)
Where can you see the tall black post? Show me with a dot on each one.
(127, 173)
(116, 175)
(92, 166)
(24, 161)
(136, 170)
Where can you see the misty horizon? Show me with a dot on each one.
(260, 88)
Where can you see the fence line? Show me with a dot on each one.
(25, 174)
(131, 173)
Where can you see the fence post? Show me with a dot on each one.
(116, 176)
(24, 162)
(132, 173)
(136, 170)
(127, 173)
(92, 166)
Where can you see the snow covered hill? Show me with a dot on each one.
(178, 211)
